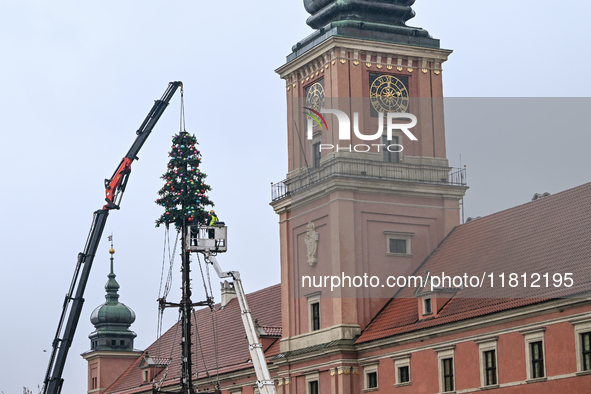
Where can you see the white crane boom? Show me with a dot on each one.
(264, 382)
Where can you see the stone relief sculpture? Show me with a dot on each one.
(311, 240)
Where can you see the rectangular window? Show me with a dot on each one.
(391, 155)
(113, 342)
(490, 367)
(582, 331)
(315, 307)
(448, 374)
(316, 154)
(403, 374)
(537, 360)
(427, 308)
(145, 376)
(586, 351)
(313, 387)
(397, 246)
(372, 380)
(122, 342)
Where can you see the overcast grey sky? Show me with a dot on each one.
(78, 78)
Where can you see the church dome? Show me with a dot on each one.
(112, 311)
(116, 313)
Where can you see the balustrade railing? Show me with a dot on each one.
(347, 167)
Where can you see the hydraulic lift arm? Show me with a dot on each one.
(266, 385)
(72, 306)
(116, 185)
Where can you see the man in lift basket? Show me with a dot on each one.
(212, 222)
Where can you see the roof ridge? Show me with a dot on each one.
(546, 199)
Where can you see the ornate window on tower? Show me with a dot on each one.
(388, 93)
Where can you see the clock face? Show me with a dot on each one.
(388, 93)
(315, 96)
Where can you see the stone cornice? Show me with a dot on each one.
(92, 354)
(336, 48)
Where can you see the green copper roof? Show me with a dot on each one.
(391, 12)
(372, 20)
(112, 312)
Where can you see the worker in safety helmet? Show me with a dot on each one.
(213, 218)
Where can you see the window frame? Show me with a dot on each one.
(397, 243)
(369, 369)
(533, 336)
(316, 155)
(427, 311)
(448, 362)
(493, 357)
(315, 310)
(314, 298)
(391, 157)
(585, 361)
(536, 363)
(488, 345)
(401, 361)
(311, 378)
(315, 141)
(444, 354)
(394, 235)
(581, 326)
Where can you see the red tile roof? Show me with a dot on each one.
(233, 351)
(272, 331)
(549, 235)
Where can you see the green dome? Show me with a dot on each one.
(112, 311)
(107, 314)
(112, 320)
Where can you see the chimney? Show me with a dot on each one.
(228, 293)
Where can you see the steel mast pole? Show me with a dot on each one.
(186, 306)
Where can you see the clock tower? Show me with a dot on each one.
(359, 204)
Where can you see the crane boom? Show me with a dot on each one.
(73, 302)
